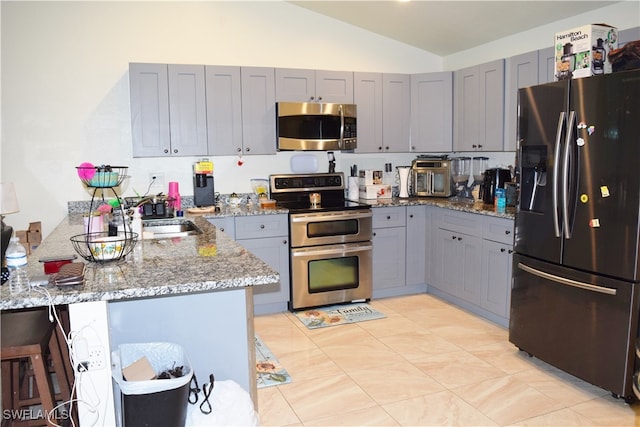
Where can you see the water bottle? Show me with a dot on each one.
(16, 256)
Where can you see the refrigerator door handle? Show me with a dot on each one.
(556, 173)
(565, 281)
(565, 176)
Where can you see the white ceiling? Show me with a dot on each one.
(447, 27)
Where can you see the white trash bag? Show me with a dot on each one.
(162, 356)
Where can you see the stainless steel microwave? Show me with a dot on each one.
(431, 177)
(309, 126)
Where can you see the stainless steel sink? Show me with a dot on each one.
(168, 228)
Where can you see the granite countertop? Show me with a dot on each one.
(477, 207)
(157, 267)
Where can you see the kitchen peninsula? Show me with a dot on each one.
(195, 291)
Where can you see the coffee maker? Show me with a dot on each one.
(203, 191)
(493, 178)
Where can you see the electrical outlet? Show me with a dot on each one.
(95, 359)
(156, 179)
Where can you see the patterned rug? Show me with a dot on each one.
(341, 314)
(268, 369)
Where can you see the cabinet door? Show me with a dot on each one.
(432, 112)
(295, 85)
(458, 266)
(546, 65)
(522, 71)
(367, 95)
(389, 245)
(334, 86)
(416, 259)
(258, 110)
(396, 112)
(274, 251)
(187, 110)
(149, 86)
(491, 97)
(628, 35)
(496, 277)
(224, 110)
(465, 106)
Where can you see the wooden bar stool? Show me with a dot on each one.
(30, 334)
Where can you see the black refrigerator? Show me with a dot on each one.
(574, 297)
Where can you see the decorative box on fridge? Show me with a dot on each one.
(584, 51)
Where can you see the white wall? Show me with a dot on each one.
(623, 15)
(65, 90)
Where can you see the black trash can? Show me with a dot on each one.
(158, 402)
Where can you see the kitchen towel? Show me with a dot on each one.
(341, 314)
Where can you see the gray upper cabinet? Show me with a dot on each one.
(299, 85)
(224, 110)
(187, 110)
(258, 111)
(522, 71)
(168, 111)
(432, 112)
(367, 95)
(546, 65)
(628, 35)
(479, 107)
(396, 113)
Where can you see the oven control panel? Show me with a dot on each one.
(307, 182)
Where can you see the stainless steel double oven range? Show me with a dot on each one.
(330, 243)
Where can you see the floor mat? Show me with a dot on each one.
(268, 369)
(341, 314)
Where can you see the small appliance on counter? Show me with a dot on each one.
(431, 176)
(203, 190)
(493, 178)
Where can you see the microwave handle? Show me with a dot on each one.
(430, 180)
(341, 126)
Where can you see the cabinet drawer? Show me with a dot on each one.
(460, 222)
(498, 229)
(251, 227)
(225, 224)
(389, 217)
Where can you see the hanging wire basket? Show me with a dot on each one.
(103, 176)
(100, 247)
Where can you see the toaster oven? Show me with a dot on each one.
(431, 177)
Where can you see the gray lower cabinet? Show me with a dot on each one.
(266, 236)
(471, 263)
(168, 110)
(418, 234)
(389, 249)
(431, 112)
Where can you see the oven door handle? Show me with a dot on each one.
(331, 249)
(328, 216)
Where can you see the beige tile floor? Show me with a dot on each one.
(427, 363)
